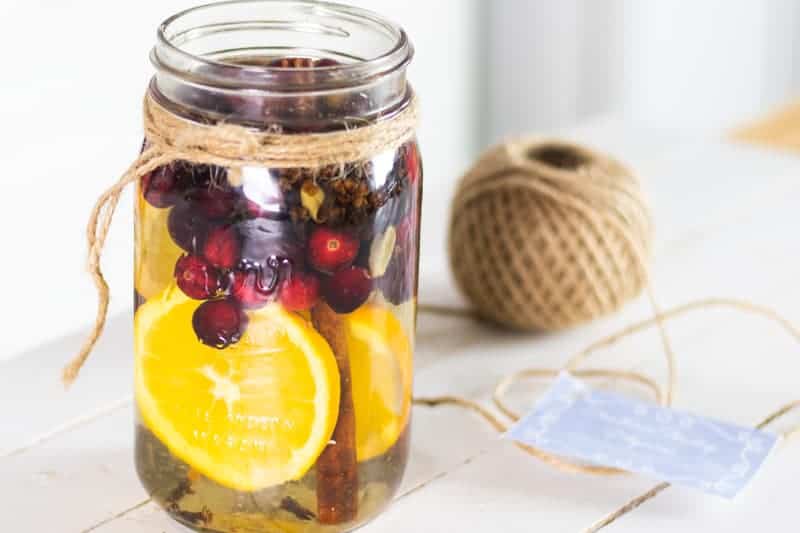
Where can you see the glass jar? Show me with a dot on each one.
(275, 307)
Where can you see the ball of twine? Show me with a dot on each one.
(545, 235)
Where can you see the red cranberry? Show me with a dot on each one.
(348, 289)
(197, 278)
(219, 323)
(331, 250)
(222, 247)
(187, 227)
(161, 186)
(413, 167)
(254, 287)
(213, 201)
(300, 292)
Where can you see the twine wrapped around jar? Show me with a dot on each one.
(171, 138)
(545, 235)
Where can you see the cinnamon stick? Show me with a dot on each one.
(337, 467)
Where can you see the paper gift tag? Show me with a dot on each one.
(608, 429)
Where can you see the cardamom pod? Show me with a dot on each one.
(312, 196)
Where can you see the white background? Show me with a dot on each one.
(698, 65)
(74, 73)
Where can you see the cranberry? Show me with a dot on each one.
(222, 247)
(332, 250)
(300, 292)
(346, 290)
(214, 202)
(197, 278)
(254, 287)
(412, 162)
(219, 323)
(187, 227)
(161, 187)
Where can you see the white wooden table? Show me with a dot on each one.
(727, 222)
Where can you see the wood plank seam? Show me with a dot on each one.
(117, 516)
(71, 425)
(440, 475)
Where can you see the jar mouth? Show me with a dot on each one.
(228, 45)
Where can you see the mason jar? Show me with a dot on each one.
(275, 307)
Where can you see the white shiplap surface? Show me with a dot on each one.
(726, 220)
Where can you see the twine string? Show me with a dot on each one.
(663, 396)
(96, 233)
(231, 145)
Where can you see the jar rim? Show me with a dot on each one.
(170, 54)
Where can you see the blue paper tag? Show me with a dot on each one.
(608, 429)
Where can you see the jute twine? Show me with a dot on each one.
(171, 138)
(545, 235)
(662, 394)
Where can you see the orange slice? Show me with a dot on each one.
(381, 364)
(256, 414)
